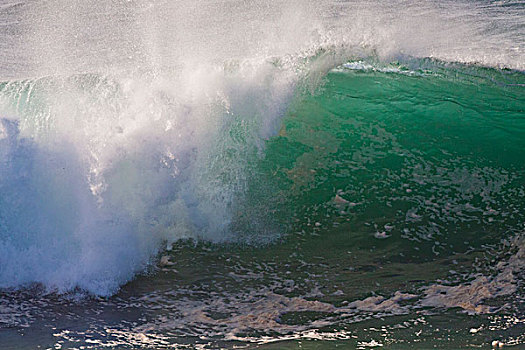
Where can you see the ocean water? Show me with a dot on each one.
(266, 174)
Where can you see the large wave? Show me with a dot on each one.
(128, 124)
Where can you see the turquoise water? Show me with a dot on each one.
(434, 156)
(273, 175)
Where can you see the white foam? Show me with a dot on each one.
(471, 295)
(97, 171)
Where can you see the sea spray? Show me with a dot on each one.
(97, 171)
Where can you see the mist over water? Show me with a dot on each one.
(128, 124)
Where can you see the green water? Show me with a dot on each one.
(428, 166)
(437, 155)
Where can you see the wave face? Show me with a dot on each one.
(126, 125)
(429, 157)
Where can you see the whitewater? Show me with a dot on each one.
(219, 158)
